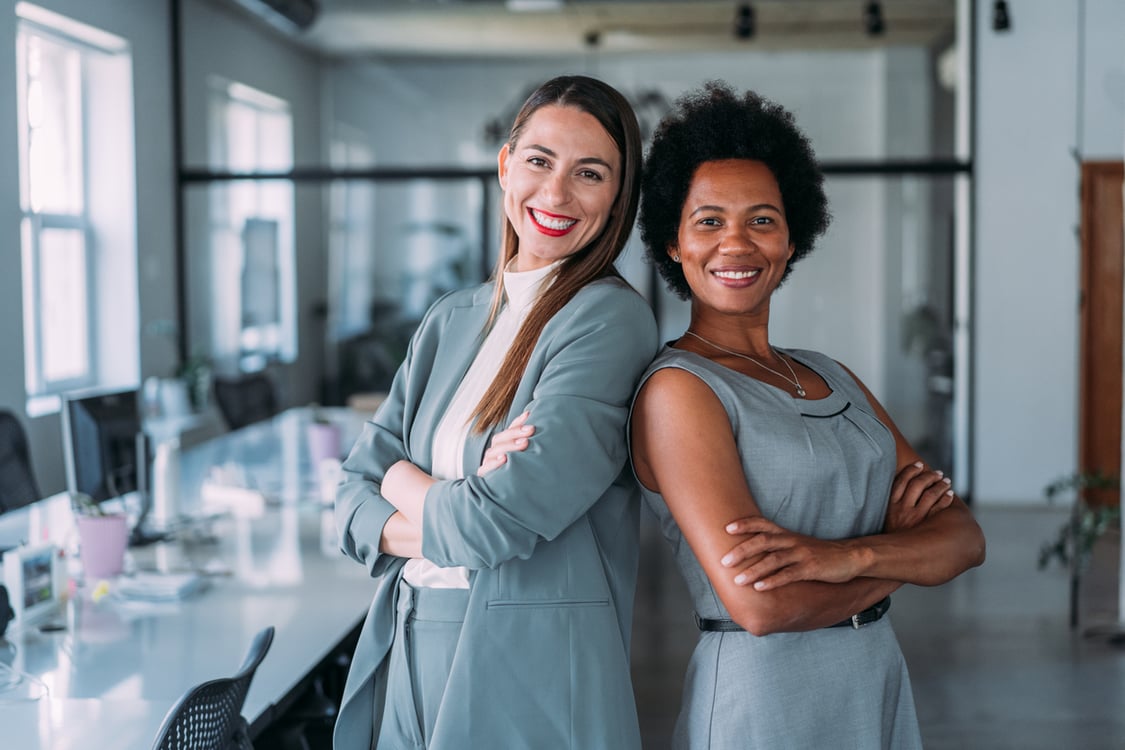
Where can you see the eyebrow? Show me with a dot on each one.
(583, 160)
(721, 209)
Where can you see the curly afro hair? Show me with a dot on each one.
(712, 124)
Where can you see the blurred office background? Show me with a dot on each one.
(222, 187)
(954, 144)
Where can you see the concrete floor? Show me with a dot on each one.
(993, 660)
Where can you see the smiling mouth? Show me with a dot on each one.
(550, 224)
(737, 275)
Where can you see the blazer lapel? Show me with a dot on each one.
(461, 338)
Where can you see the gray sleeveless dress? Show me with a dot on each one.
(823, 468)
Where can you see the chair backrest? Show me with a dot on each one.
(209, 715)
(17, 480)
(245, 399)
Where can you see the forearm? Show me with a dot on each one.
(809, 605)
(405, 487)
(940, 548)
(400, 537)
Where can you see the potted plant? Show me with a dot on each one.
(1091, 517)
(195, 372)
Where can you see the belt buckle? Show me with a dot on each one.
(872, 614)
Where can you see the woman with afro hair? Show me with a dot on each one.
(801, 504)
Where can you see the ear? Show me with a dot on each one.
(502, 166)
(792, 248)
(674, 252)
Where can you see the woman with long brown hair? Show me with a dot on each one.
(506, 569)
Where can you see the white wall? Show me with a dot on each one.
(1030, 120)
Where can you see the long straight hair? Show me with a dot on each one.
(595, 261)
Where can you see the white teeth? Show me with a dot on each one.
(736, 274)
(551, 222)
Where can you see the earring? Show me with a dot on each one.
(676, 257)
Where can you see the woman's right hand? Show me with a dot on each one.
(916, 493)
(514, 438)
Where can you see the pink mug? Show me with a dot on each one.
(102, 541)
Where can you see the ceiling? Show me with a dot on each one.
(530, 28)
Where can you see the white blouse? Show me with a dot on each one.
(521, 290)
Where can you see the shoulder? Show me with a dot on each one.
(612, 311)
(612, 296)
(672, 364)
(676, 375)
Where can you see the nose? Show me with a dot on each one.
(556, 189)
(735, 240)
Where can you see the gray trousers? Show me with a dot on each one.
(427, 628)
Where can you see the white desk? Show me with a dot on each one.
(117, 667)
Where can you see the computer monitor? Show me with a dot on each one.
(103, 443)
(108, 454)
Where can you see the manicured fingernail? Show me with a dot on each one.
(947, 480)
(521, 441)
(940, 473)
(760, 585)
(732, 527)
(918, 464)
(526, 428)
(727, 559)
(949, 492)
(741, 578)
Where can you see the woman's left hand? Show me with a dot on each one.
(513, 439)
(774, 556)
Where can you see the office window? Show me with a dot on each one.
(351, 241)
(253, 284)
(77, 234)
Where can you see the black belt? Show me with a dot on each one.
(856, 621)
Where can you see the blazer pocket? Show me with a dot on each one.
(545, 603)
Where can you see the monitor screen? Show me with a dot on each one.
(100, 443)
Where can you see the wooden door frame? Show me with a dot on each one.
(1100, 337)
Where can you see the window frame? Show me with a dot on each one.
(98, 122)
(33, 223)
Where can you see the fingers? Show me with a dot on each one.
(519, 421)
(514, 438)
(916, 494)
(915, 485)
(898, 487)
(752, 525)
(929, 498)
(765, 536)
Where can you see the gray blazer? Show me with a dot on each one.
(550, 538)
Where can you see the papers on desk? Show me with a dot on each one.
(240, 502)
(159, 587)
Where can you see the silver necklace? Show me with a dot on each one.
(796, 383)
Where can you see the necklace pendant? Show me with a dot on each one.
(800, 392)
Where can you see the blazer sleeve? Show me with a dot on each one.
(361, 511)
(579, 408)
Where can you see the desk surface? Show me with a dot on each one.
(117, 666)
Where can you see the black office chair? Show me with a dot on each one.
(209, 716)
(17, 480)
(245, 399)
